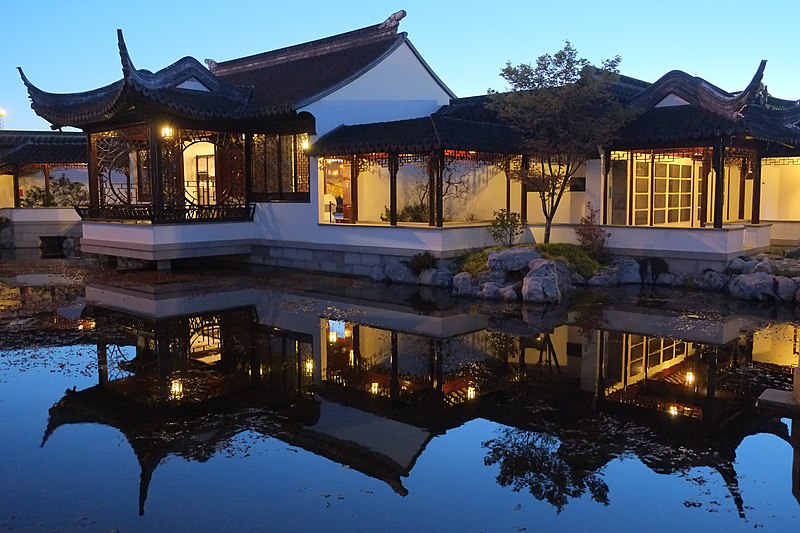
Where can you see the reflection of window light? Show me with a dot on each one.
(673, 410)
(86, 324)
(374, 387)
(309, 366)
(690, 378)
(176, 389)
(471, 393)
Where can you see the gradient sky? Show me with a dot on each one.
(71, 46)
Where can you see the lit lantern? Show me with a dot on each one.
(166, 132)
(309, 366)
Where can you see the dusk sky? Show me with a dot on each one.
(71, 46)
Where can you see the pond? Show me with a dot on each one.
(250, 401)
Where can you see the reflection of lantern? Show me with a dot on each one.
(690, 378)
(352, 358)
(673, 410)
(309, 366)
(348, 332)
(176, 389)
(86, 324)
(332, 337)
(471, 393)
(374, 387)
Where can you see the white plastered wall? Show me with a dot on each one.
(573, 204)
(780, 192)
(397, 88)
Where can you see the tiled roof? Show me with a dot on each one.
(264, 85)
(418, 135)
(42, 147)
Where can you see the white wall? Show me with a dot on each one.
(397, 88)
(573, 204)
(6, 190)
(780, 192)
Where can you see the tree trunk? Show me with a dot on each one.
(547, 223)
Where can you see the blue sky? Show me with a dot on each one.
(71, 46)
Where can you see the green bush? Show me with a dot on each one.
(580, 259)
(421, 261)
(506, 227)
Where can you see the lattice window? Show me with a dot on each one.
(122, 172)
(279, 168)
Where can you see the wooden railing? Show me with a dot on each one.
(168, 214)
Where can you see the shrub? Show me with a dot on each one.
(591, 235)
(505, 227)
(575, 256)
(421, 261)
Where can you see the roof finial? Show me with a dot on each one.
(394, 19)
(211, 64)
(125, 57)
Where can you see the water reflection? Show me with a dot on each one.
(368, 384)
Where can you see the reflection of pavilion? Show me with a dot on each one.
(367, 384)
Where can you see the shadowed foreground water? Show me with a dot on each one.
(341, 406)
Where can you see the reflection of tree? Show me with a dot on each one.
(62, 193)
(532, 460)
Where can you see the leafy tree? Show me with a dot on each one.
(63, 193)
(566, 111)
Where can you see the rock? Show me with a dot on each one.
(510, 293)
(513, 259)
(436, 277)
(710, 280)
(490, 291)
(541, 283)
(628, 271)
(765, 265)
(6, 238)
(564, 275)
(129, 263)
(401, 273)
(577, 279)
(605, 278)
(797, 297)
(498, 276)
(737, 266)
(378, 272)
(749, 265)
(784, 288)
(447, 264)
(670, 279)
(793, 254)
(753, 286)
(463, 285)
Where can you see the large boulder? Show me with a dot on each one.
(564, 275)
(784, 288)
(378, 272)
(628, 271)
(541, 283)
(753, 286)
(737, 265)
(400, 273)
(513, 259)
(436, 277)
(511, 293)
(463, 285)
(605, 278)
(491, 291)
(497, 276)
(710, 280)
(765, 265)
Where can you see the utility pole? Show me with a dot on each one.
(2, 118)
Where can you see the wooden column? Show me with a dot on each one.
(756, 211)
(433, 169)
(439, 188)
(742, 181)
(719, 183)
(156, 180)
(507, 169)
(523, 204)
(47, 199)
(394, 167)
(91, 158)
(394, 379)
(248, 166)
(102, 362)
(605, 167)
(704, 169)
(354, 189)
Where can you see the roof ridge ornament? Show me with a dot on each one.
(124, 56)
(394, 19)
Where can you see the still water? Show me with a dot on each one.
(238, 404)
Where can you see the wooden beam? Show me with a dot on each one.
(439, 188)
(91, 158)
(156, 180)
(432, 172)
(742, 182)
(705, 166)
(248, 166)
(523, 204)
(354, 188)
(15, 180)
(507, 169)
